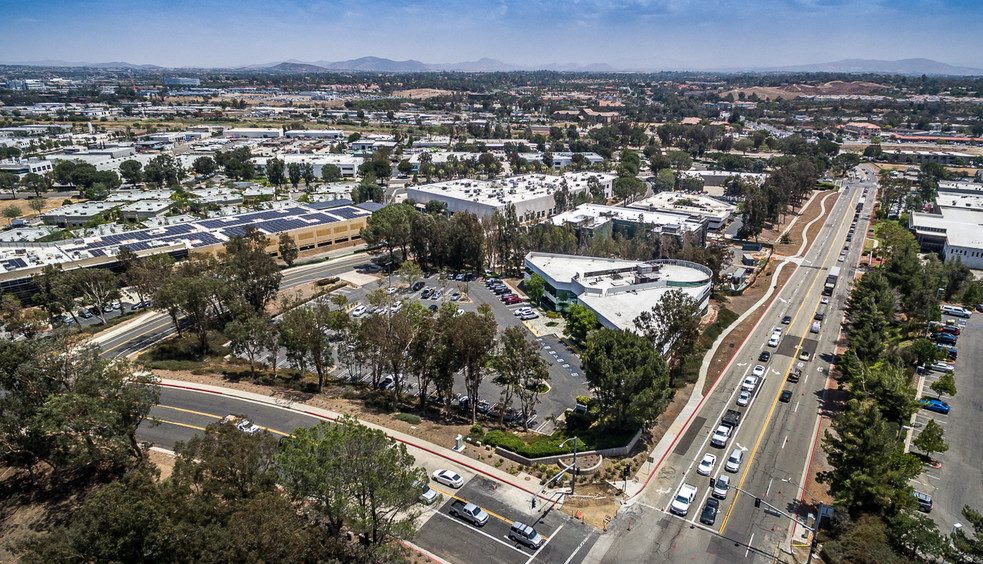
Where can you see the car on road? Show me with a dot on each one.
(244, 425)
(794, 374)
(786, 320)
(734, 461)
(744, 398)
(684, 498)
(941, 367)
(750, 382)
(720, 436)
(773, 341)
(819, 315)
(816, 326)
(358, 311)
(758, 371)
(936, 405)
(706, 464)
(764, 356)
(520, 532)
(448, 478)
(709, 514)
(786, 396)
(824, 300)
(720, 487)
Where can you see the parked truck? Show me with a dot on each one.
(469, 512)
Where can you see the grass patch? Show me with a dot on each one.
(535, 445)
(181, 353)
(408, 418)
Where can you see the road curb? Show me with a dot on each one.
(328, 415)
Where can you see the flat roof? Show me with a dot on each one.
(510, 190)
(598, 214)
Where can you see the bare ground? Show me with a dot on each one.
(805, 216)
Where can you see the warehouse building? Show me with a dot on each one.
(592, 219)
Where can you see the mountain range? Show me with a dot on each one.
(910, 67)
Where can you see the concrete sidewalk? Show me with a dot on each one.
(517, 481)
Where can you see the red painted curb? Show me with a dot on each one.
(193, 388)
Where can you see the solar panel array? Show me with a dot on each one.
(205, 232)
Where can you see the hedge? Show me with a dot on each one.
(535, 447)
(408, 417)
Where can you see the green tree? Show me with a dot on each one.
(8, 181)
(12, 212)
(97, 286)
(629, 188)
(251, 336)
(580, 322)
(917, 536)
(287, 248)
(946, 384)
(367, 192)
(672, 325)
(19, 320)
(471, 340)
(131, 171)
(35, 183)
(274, 171)
(520, 371)
(225, 463)
(249, 270)
(304, 333)
(354, 477)
(868, 470)
(971, 547)
(330, 173)
(295, 173)
(307, 171)
(627, 376)
(36, 204)
(535, 287)
(204, 166)
(390, 227)
(931, 440)
(924, 351)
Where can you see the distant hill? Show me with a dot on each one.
(876, 66)
(291, 67)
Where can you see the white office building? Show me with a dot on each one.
(533, 195)
(717, 212)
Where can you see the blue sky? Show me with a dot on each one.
(657, 34)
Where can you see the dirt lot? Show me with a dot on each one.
(419, 93)
(27, 212)
(794, 90)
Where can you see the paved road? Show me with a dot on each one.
(776, 437)
(960, 480)
(183, 413)
(153, 328)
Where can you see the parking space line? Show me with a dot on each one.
(480, 532)
(448, 494)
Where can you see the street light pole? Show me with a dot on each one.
(815, 526)
(573, 468)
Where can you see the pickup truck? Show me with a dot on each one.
(732, 418)
(720, 436)
(469, 512)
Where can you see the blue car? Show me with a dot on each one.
(935, 405)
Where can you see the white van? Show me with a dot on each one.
(956, 311)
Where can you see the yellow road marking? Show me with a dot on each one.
(218, 417)
(157, 419)
(496, 515)
(774, 402)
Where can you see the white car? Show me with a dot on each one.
(773, 341)
(706, 465)
(459, 312)
(941, 367)
(744, 398)
(758, 371)
(448, 478)
(396, 307)
(824, 300)
(390, 291)
(721, 486)
(749, 383)
(244, 425)
(427, 494)
(720, 436)
(358, 311)
(522, 311)
(684, 498)
(778, 331)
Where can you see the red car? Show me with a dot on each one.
(512, 300)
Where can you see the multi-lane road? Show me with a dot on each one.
(154, 326)
(777, 437)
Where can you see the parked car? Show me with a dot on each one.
(358, 311)
(529, 316)
(522, 311)
(448, 478)
(427, 494)
(935, 405)
(941, 367)
(426, 293)
(418, 286)
(705, 468)
(513, 300)
(709, 514)
(924, 501)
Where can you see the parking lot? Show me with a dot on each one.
(567, 540)
(957, 482)
(566, 378)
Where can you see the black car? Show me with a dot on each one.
(786, 396)
(786, 320)
(419, 285)
(764, 356)
(709, 514)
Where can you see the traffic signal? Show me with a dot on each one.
(712, 482)
(757, 502)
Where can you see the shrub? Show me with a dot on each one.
(408, 417)
(326, 281)
(476, 432)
